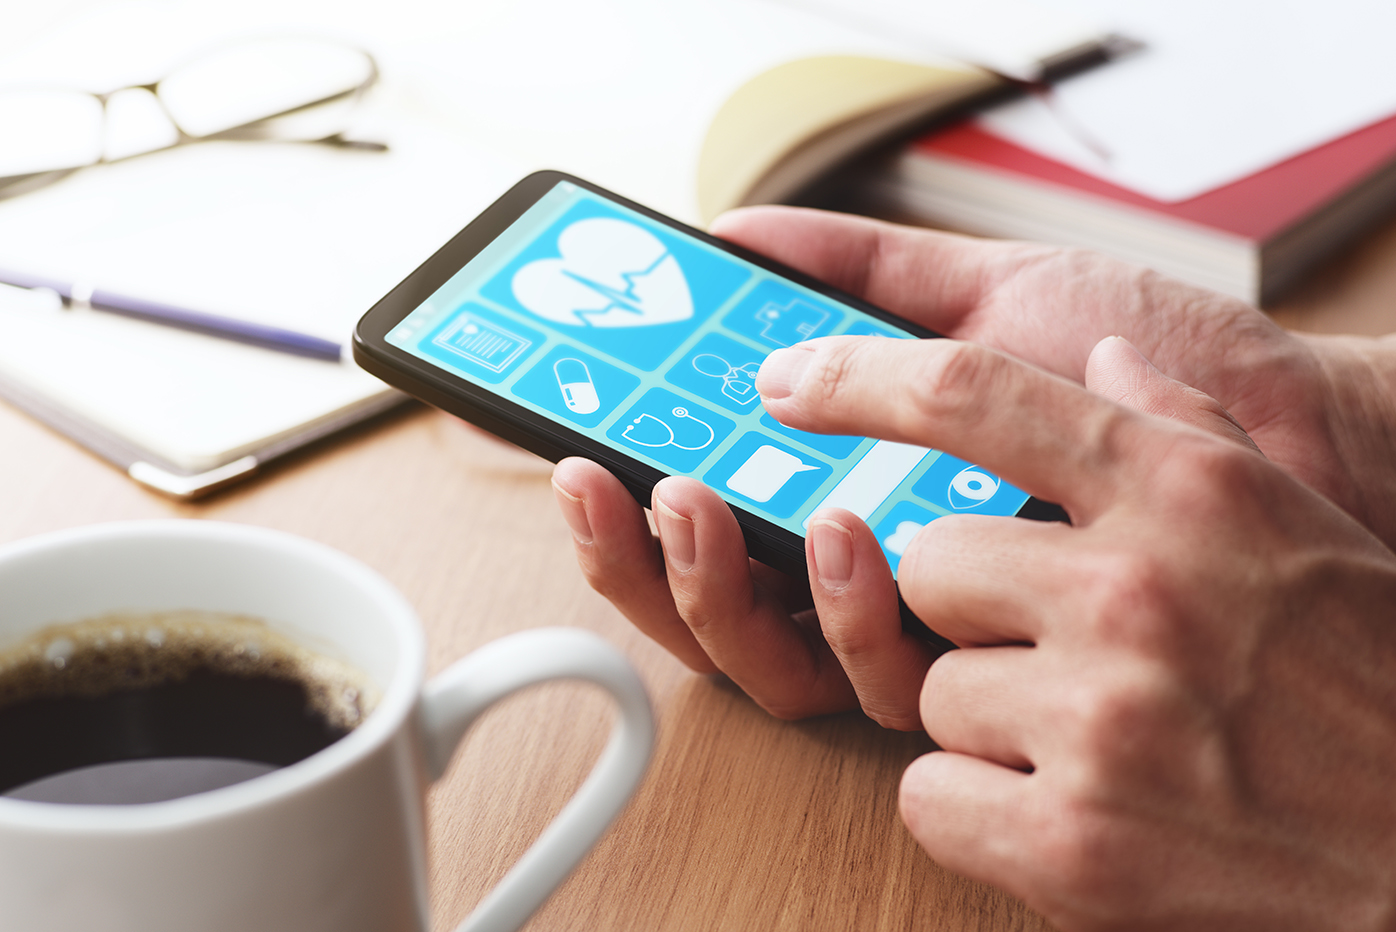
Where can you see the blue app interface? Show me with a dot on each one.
(648, 341)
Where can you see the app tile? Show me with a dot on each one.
(837, 446)
(485, 344)
(722, 371)
(777, 315)
(670, 429)
(616, 283)
(773, 477)
(576, 385)
(896, 530)
(956, 485)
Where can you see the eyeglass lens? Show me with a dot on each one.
(288, 88)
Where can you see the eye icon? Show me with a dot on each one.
(971, 488)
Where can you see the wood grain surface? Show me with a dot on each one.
(743, 822)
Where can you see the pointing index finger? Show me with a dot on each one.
(1045, 434)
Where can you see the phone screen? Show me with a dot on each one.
(648, 340)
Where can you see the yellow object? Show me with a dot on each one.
(788, 125)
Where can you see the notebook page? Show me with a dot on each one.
(1220, 91)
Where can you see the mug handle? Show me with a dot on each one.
(455, 698)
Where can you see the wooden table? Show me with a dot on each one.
(744, 822)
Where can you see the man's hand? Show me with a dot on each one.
(797, 649)
(1323, 408)
(1177, 713)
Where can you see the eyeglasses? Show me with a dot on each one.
(289, 89)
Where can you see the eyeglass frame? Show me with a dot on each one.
(19, 184)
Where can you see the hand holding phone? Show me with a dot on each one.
(1066, 627)
(573, 322)
(578, 324)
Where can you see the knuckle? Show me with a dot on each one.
(605, 583)
(701, 619)
(1130, 597)
(1110, 718)
(1216, 483)
(617, 580)
(941, 676)
(938, 685)
(1203, 403)
(1022, 261)
(1189, 457)
(955, 381)
(1110, 435)
(1227, 472)
(697, 661)
(838, 373)
(852, 640)
(873, 665)
(1080, 846)
(787, 710)
(892, 719)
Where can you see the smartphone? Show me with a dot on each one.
(572, 321)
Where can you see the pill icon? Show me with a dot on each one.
(578, 390)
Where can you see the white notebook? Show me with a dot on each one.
(180, 412)
(302, 237)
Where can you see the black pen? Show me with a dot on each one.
(80, 294)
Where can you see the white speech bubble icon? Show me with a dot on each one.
(765, 472)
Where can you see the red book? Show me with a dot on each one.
(1253, 238)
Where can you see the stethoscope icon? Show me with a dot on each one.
(669, 429)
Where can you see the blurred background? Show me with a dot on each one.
(284, 163)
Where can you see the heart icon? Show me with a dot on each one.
(609, 273)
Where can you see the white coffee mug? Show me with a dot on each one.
(335, 841)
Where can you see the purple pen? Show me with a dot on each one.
(274, 338)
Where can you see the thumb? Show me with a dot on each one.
(1120, 372)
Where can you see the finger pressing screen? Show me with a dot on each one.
(1048, 436)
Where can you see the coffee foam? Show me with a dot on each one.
(129, 651)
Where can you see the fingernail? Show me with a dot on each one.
(782, 371)
(574, 512)
(833, 553)
(1128, 348)
(676, 534)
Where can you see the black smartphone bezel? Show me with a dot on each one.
(766, 541)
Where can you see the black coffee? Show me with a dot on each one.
(137, 708)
